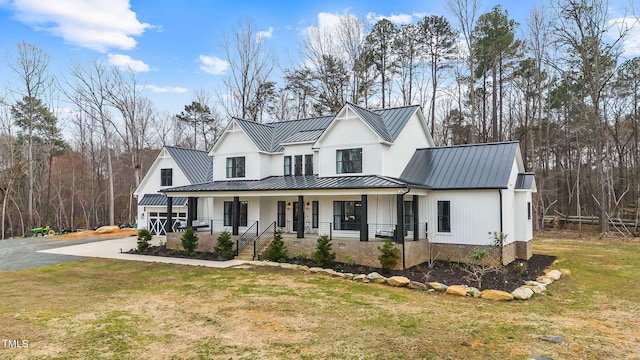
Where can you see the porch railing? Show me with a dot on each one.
(263, 240)
(247, 237)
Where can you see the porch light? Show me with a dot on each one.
(288, 205)
(308, 205)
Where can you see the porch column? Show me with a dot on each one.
(416, 218)
(400, 218)
(192, 208)
(300, 230)
(235, 215)
(364, 222)
(167, 226)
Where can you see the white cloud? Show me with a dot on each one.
(264, 34)
(126, 62)
(166, 89)
(213, 65)
(97, 24)
(631, 44)
(373, 18)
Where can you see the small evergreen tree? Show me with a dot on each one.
(189, 241)
(277, 250)
(389, 256)
(323, 254)
(144, 236)
(224, 247)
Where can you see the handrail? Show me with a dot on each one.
(247, 237)
(263, 240)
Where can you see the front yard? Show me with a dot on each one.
(122, 309)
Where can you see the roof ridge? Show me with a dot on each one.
(395, 107)
(471, 145)
(253, 122)
(185, 148)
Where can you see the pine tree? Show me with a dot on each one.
(323, 254)
(224, 248)
(189, 241)
(277, 250)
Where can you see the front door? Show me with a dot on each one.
(295, 216)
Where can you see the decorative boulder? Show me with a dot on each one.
(376, 278)
(472, 291)
(458, 290)
(522, 293)
(438, 286)
(496, 295)
(314, 270)
(555, 274)
(565, 272)
(398, 281)
(417, 286)
(361, 278)
(545, 279)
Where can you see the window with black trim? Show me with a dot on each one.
(408, 215)
(298, 165)
(444, 216)
(166, 177)
(287, 165)
(314, 214)
(346, 215)
(235, 167)
(282, 214)
(349, 161)
(228, 213)
(308, 164)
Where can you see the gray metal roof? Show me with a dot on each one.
(524, 181)
(306, 182)
(160, 200)
(374, 120)
(478, 166)
(302, 136)
(388, 123)
(196, 165)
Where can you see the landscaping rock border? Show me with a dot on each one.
(524, 292)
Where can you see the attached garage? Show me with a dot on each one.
(152, 210)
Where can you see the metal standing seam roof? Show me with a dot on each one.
(374, 120)
(196, 165)
(396, 118)
(478, 166)
(306, 182)
(161, 200)
(524, 181)
(302, 136)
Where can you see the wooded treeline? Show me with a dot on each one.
(558, 83)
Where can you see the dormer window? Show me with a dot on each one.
(235, 167)
(349, 161)
(166, 177)
(287, 166)
(308, 164)
(298, 165)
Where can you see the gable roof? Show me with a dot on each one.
(161, 200)
(478, 166)
(388, 123)
(525, 181)
(196, 165)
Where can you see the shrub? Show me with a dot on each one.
(389, 256)
(144, 236)
(189, 241)
(224, 247)
(277, 250)
(323, 254)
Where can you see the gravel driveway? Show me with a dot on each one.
(17, 254)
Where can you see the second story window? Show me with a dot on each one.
(349, 161)
(287, 165)
(308, 164)
(298, 161)
(166, 177)
(235, 167)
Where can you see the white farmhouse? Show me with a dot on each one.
(361, 176)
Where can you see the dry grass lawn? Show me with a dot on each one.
(109, 309)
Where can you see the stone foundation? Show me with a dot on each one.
(462, 253)
(524, 249)
(206, 241)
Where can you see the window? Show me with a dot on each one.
(282, 214)
(314, 214)
(228, 213)
(287, 165)
(308, 164)
(166, 177)
(349, 161)
(235, 167)
(529, 210)
(444, 216)
(408, 215)
(346, 215)
(298, 165)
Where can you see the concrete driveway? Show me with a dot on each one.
(17, 254)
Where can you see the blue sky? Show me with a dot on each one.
(176, 47)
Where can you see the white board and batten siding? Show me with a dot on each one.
(350, 132)
(475, 215)
(150, 184)
(411, 137)
(237, 143)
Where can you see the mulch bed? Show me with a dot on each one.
(507, 278)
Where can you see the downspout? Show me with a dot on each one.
(500, 193)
